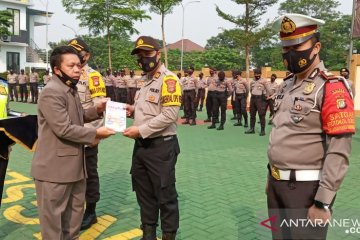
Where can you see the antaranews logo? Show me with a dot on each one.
(272, 221)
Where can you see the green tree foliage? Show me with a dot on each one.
(122, 47)
(5, 22)
(163, 8)
(247, 32)
(322, 9)
(110, 17)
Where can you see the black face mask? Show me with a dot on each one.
(298, 61)
(346, 75)
(257, 77)
(71, 82)
(148, 64)
(273, 79)
(82, 60)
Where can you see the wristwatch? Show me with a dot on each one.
(322, 205)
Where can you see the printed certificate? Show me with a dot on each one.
(115, 117)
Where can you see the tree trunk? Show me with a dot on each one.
(163, 38)
(247, 61)
(109, 46)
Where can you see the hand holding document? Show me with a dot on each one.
(115, 117)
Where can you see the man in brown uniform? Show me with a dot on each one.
(241, 92)
(121, 91)
(223, 89)
(110, 85)
(12, 79)
(23, 80)
(131, 86)
(91, 89)
(156, 146)
(211, 84)
(201, 92)
(46, 77)
(274, 87)
(310, 141)
(58, 165)
(34, 80)
(190, 87)
(259, 87)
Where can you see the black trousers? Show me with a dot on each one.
(270, 104)
(131, 95)
(219, 101)
(23, 92)
(121, 95)
(92, 194)
(110, 93)
(189, 98)
(290, 200)
(240, 100)
(153, 180)
(200, 98)
(13, 91)
(210, 103)
(233, 104)
(257, 104)
(34, 92)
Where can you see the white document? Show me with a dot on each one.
(115, 117)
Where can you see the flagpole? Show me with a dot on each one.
(351, 34)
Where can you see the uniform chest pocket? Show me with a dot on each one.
(299, 111)
(151, 105)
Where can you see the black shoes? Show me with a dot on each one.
(168, 236)
(149, 232)
(88, 220)
(212, 126)
(221, 127)
(262, 133)
(207, 120)
(250, 131)
(238, 124)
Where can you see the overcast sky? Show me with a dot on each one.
(201, 21)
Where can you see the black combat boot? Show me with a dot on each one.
(250, 131)
(238, 123)
(168, 236)
(262, 132)
(89, 217)
(212, 126)
(221, 127)
(149, 232)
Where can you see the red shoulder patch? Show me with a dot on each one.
(337, 112)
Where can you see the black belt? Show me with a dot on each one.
(190, 90)
(218, 92)
(146, 142)
(240, 94)
(132, 88)
(256, 96)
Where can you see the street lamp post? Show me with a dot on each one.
(75, 33)
(182, 32)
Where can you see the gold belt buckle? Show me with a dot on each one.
(275, 173)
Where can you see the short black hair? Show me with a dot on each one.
(56, 55)
(274, 75)
(257, 71)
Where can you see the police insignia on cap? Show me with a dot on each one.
(309, 88)
(140, 42)
(288, 26)
(302, 63)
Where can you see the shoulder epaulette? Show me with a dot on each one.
(291, 75)
(326, 75)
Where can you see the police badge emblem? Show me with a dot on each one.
(288, 26)
(275, 173)
(302, 63)
(95, 80)
(171, 85)
(340, 103)
(309, 88)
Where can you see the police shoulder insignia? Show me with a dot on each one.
(337, 112)
(327, 75)
(171, 92)
(314, 73)
(288, 26)
(309, 88)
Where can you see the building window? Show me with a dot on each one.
(13, 61)
(15, 27)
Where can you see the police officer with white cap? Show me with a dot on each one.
(310, 142)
